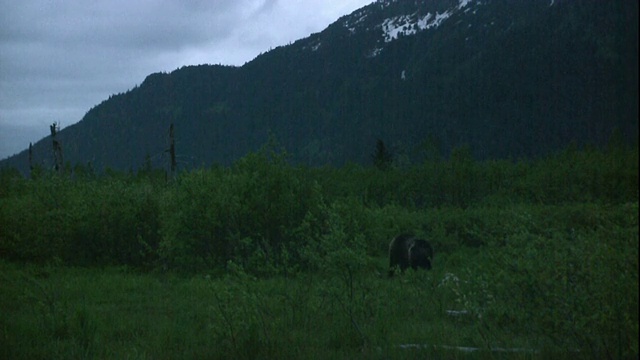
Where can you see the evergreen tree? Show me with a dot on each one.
(382, 158)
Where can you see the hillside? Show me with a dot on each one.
(507, 79)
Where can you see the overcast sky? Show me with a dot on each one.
(60, 58)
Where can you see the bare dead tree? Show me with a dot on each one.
(31, 159)
(57, 148)
(172, 151)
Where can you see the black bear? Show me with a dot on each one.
(407, 251)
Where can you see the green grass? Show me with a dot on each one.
(263, 260)
(534, 290)
(111, 313)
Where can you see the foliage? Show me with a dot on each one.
(263, 211)
(106, 221)
(551, 287)
(248, 213)
(382, 158)
(272, 260)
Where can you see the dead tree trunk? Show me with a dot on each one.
(31, 160)
(57, 148)
(172, 151)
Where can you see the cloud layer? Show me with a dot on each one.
(60, 58)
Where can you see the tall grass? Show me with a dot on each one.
(533, 259)
(542, 288)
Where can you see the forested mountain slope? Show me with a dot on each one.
(509, 79)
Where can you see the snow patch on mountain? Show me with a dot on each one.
(426, 15)
(373, 53)
(359, 16)
(406, 25)
(463, 3)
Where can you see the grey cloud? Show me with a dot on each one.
(58, 58)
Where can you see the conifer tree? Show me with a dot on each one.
(382, 158)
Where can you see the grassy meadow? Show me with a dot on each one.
(534, 259)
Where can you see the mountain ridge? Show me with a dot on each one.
(509, 80)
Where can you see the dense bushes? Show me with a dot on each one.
(553, 281)
(544, 252)
(98, 222)
(213, 216)
(263, 209)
